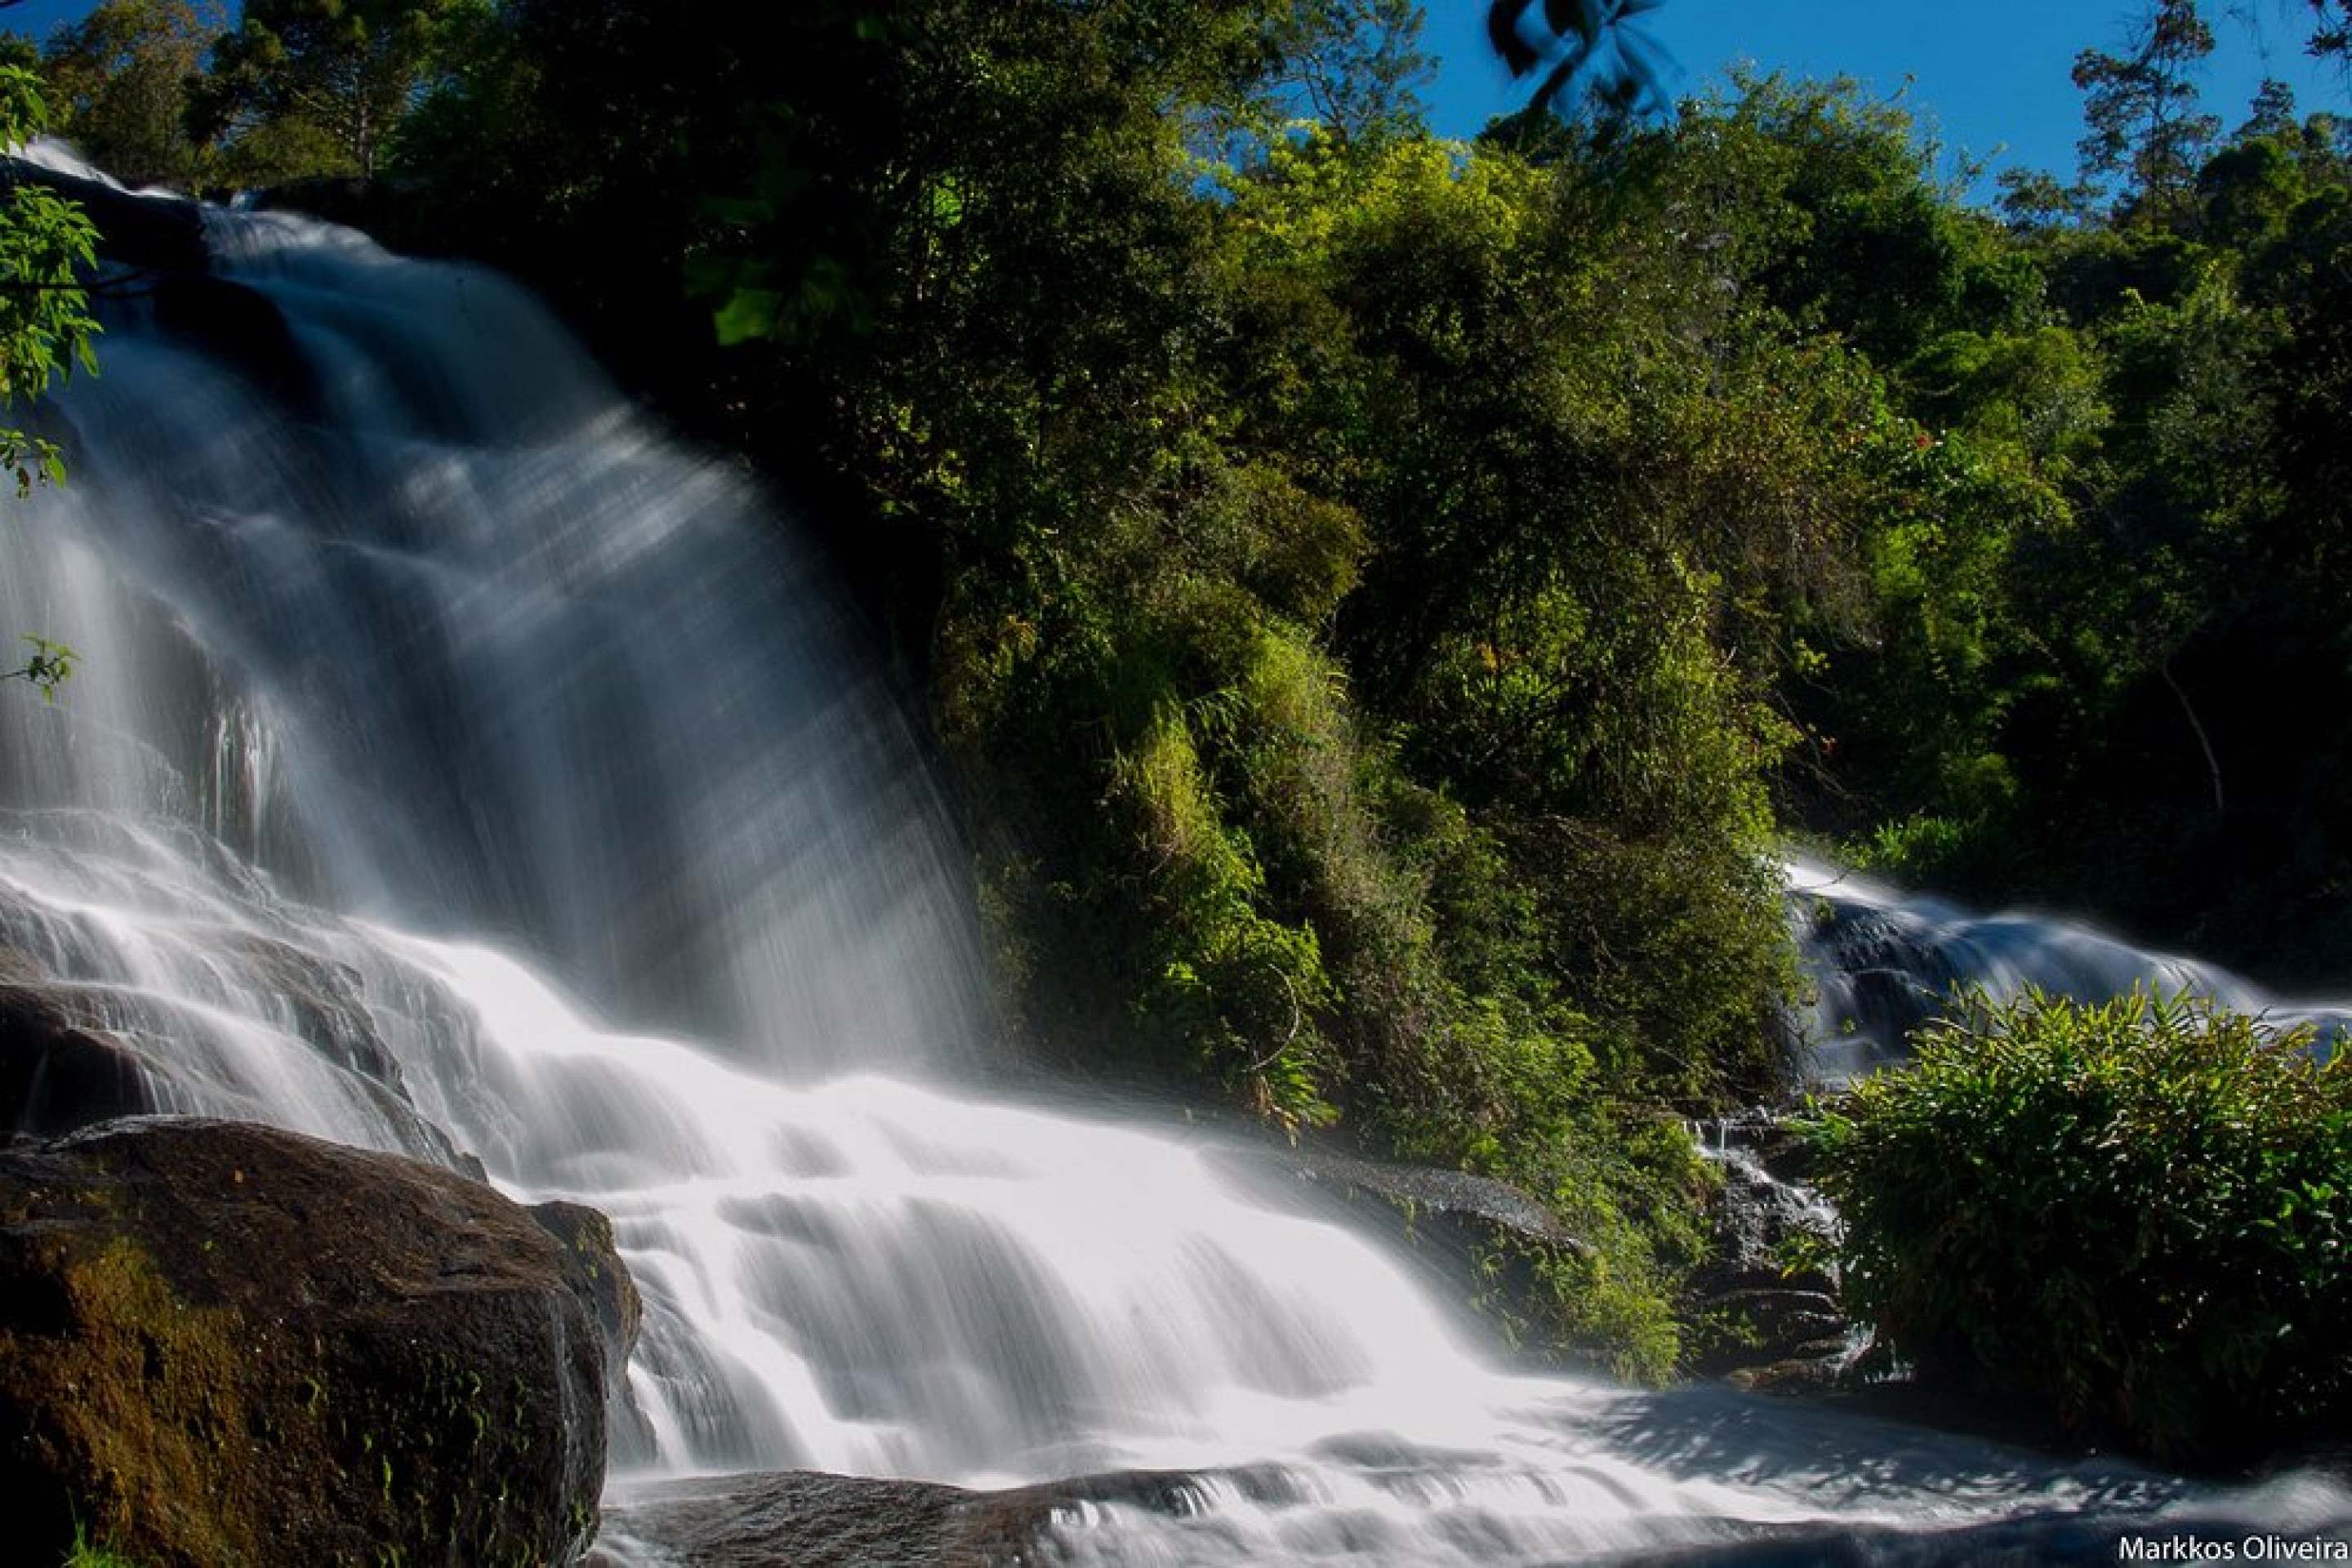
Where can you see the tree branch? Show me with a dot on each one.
(2204, 742)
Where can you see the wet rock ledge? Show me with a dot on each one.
(807, 1519)
(223, 1343)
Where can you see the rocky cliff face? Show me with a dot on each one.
(1763, 1324)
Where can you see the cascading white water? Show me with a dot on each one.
(421, 671)
(871, 1276)
(1879, 962)
(545, 674)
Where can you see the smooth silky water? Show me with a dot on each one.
(1879, 961)
(459, 767)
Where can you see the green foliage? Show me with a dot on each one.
(47, 244)
(50, 666)
(2139, 1213)
(86, 1553)
(46, 326)
(1233, 979)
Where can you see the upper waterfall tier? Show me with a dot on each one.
(377, 578)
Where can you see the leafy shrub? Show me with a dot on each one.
(2140, 1212)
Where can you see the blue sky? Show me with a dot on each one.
(39, 16)
(1997, 87)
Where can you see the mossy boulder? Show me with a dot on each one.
(224, 1344)
(1763, 1321)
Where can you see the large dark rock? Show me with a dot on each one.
(242, 327)
(158, 233)
(1480, 1209)
(806, 1519)
(395, 213)
(221, 1343)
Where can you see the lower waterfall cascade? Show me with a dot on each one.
(459, 767)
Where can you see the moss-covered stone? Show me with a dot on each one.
(224, 1344)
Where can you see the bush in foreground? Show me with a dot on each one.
(2140, 1212)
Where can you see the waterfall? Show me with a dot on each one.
(545, 674)
(460, 767)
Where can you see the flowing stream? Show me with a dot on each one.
(460, 767)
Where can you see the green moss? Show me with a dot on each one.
(151, 1380)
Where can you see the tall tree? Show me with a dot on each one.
(117, 83)
(2272, 113)
(2141, 107)
(352, 69)
(1354, 66)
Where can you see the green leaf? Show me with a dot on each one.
(749, 315)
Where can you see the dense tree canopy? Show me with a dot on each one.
(1384, 597)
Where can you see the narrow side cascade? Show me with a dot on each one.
(459, 768)
(1879, 962)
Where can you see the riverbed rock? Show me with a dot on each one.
(224, 1343)
(811, 1519)
(807, 1520)
(1763, 1322)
